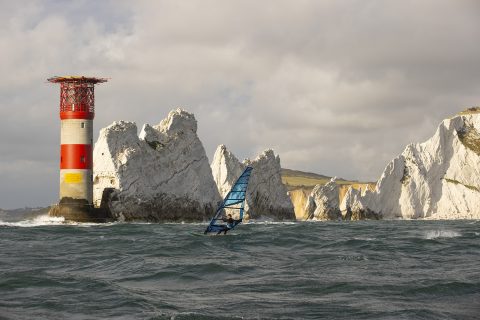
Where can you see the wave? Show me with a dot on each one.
(435, 234)
(364, 238)
(270, 222)
(43, 220)
(46, 220)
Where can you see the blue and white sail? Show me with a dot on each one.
(235, 200)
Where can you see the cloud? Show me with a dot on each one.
(335, 87)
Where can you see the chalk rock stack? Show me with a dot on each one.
(437, 179)
(162, 174)
(354, 206)
(323, 202)
(266, 195)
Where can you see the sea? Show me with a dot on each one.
(405, 269)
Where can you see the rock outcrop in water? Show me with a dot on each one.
(300, 197)
(323, 202)
(161, 175)
(438, 179)
(266, 195)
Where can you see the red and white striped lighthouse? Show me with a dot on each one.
(77, 110)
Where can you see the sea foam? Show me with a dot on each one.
(43, 220)
(434, 234)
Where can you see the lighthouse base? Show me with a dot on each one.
(79, 210)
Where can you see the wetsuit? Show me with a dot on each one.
(230, 224)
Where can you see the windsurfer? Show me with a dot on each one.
(234, 200)
(230, 224)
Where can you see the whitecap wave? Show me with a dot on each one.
(43, 220)
(363, 238)
(435, 234)
(269, 222)
(46, 220)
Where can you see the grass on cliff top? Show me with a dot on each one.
(471, 110)
(294, 179)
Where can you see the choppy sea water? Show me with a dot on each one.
(305, 270)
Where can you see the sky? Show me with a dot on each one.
(334, 87)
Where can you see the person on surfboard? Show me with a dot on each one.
(230, 224)
(234, 200)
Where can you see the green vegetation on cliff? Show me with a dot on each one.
(295, 179)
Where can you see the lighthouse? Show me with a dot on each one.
(77, 110)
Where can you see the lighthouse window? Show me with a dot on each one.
(83, 125)
(82, 159)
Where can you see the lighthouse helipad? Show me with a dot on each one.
(77, 110)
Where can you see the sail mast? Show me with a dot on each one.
(234, 200)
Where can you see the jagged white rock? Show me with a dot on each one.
(323, 202)
(266, 195)
(162, 174)
(437, 179)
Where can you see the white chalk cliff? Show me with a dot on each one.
(323, 202)
(162, 174)
(437, 179)
(266, 195)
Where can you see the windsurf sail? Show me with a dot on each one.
(234, 201)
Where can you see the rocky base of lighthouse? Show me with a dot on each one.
(78, 210)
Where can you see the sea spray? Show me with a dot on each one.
(434, 234)
(42, 220)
